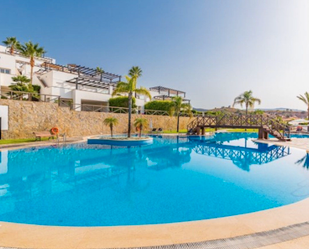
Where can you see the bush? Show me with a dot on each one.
(258, 112)
(122, 101)
(36, 88)
(197, 112)
(159, 105)
(214, 113)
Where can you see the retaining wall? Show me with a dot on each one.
(25, 117)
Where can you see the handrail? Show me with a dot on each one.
(246, 121)
(29, 96)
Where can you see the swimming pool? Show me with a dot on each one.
(175, 179)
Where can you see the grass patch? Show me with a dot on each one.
(18, 141)
(242, 130)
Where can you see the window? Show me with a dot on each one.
(4, 70)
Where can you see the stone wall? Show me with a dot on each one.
(25, 117)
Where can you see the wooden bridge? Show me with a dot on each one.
(266, 125)
(241, 156)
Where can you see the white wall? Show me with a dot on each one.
(7, 62)
(17, 64)
(4, 114)
(79, 95)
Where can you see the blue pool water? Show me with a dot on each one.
(173, 180)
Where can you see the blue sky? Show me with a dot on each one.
(214, 50)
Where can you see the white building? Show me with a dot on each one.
(79, 87)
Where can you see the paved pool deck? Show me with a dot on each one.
(277, 228)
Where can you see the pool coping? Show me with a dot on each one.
(120, 142)
(13, 235)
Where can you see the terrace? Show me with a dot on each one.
(168, 93)
(82, 72)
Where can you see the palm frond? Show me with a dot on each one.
(135, 72)
(110, 121)
(120, 90)
(143, 91)
(304, 99)
(247, 99)
(140, 121)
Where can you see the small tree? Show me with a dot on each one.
(247, 99)
(177, 107)
(140, 123)
(20, 83)
(129, 88)
(111, 122)
(100, 71)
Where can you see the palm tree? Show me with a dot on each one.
(111, 122)
(32, 50)
(247, 99)
(177, 106)
(305, 99)
(129, 88)
(135, 72)
(100, 71)
(12, 43)
(140, 123)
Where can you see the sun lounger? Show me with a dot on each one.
(160, 130)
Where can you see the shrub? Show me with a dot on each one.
(214, 113)
(159, 105)
(258, 112)
(197, 112)
(122, 101)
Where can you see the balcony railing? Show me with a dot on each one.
(62, 102)
(26, 96)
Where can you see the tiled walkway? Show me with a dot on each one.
(301, 143)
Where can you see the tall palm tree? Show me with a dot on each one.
(32, 50)
(135, 72)
(140, 123)
(12, 43)
(177, 106)
(129, 88)
(305, 99)
(247, 99)
(111, 122)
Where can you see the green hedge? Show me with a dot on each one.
(122, 101)
(160, 105)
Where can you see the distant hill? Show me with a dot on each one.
(281, 109)
(200, 109)
(222, 109)
(234, 109)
